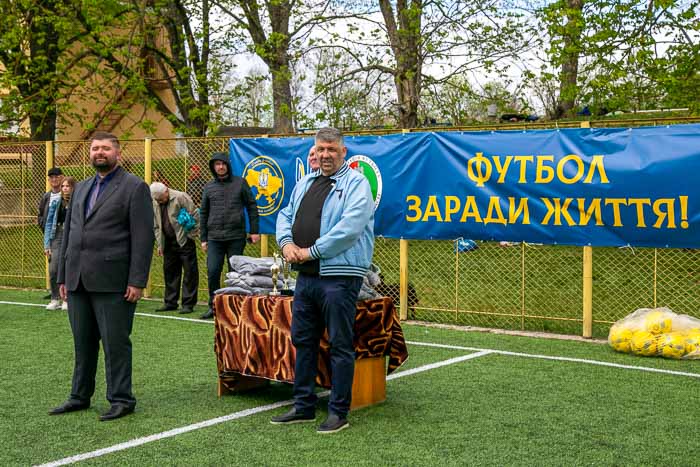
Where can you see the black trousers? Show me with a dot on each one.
(322, 303)
(177, 259)
(218, 253)
(106, 317)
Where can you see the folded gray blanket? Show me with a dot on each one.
(243, 290)
(251, 266)
(235, 279)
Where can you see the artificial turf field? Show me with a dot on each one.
(463, 398)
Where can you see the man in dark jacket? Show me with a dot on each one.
(222, 222)
(104, 262)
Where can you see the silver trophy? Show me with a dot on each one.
(275, 270)
(286, 272)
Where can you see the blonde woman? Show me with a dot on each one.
(53, 233)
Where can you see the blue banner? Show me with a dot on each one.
(600, 187)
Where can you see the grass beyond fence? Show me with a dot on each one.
(527, 402)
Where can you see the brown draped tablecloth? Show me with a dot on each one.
(253, 336)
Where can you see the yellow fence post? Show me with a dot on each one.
(403, 279)
(403, 271)
(264, 245)
(587, 281)
(147, 169)
(587, 291)
(49, 164)
(656, 251)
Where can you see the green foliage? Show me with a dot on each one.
(630, 54)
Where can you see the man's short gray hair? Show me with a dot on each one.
(330, 135)
(158, 189)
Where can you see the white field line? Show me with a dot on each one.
(234, 416)
(192, 320)
(457, 347)
(432, 366)
(560, 359)
(40, 305)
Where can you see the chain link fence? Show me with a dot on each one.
(183, 165)
(22, 184)
(496, 285)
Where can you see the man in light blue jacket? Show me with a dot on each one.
(327, 233)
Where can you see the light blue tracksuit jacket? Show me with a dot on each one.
(346, 244)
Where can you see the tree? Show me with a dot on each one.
(347, 104)
(34, 36)
(274, 28)
(565, 48)
(420, 43)
(185, 62)
(643, 52)
(247, 101)
(453, 102)
(159, 53)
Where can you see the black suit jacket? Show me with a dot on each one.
(113, 246)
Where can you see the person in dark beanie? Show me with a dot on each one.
(222, 221)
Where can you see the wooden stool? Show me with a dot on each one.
(369, 383)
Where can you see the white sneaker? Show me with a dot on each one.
(64, 306)
(54, 305)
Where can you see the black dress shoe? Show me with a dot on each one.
(69, 406)
(186, 309)
(333, 424)
(208, 314)
(293, 417)
(167, 308)
(116, 411)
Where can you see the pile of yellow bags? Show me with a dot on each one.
(657, 332)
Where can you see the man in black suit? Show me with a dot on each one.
(105, 258)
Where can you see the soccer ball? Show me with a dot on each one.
(692, 344)
(619, 338)
(658, 322)
(644, 343)
(672, 345)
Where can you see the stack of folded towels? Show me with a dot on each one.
(252, 276)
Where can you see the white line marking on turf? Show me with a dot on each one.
(167, 434)
(236, 415)
(561, 359)
(42, 305)
(193, 320)
(432, 366)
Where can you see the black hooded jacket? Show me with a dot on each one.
(223, 203)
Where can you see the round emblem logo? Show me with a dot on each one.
(266, 181)
(369, 169)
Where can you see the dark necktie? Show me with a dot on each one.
(93, 196)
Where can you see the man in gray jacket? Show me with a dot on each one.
(104, 262)
(222, 230)
(176, 229)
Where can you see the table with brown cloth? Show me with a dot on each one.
(253, 337)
